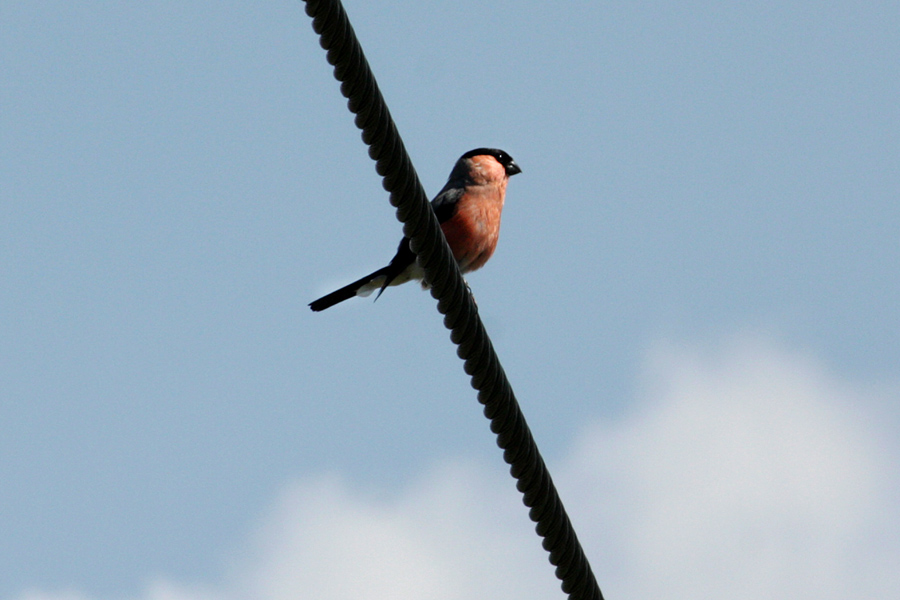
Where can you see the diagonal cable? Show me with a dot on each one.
(455, 301)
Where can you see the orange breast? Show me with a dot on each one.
(475, 228)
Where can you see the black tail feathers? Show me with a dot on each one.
(346, 292)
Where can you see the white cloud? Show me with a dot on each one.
(744, 471)
(456, 534)
(62, 595)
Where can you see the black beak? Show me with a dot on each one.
(512, 168)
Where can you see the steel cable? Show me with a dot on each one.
(455, 301)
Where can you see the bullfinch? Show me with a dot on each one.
(468, 209)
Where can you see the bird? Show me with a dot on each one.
(468, 208)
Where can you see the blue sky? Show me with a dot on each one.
(694, 296)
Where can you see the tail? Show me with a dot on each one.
(349, 291)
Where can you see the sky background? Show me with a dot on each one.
(695, 297)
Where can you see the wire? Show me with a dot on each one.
(455, 300)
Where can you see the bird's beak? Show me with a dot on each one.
(512, 168)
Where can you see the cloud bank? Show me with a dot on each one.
(743, 471)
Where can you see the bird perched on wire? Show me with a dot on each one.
(468, 209)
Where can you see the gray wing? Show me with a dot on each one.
(444, 204)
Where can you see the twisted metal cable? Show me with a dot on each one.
(455, 300)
